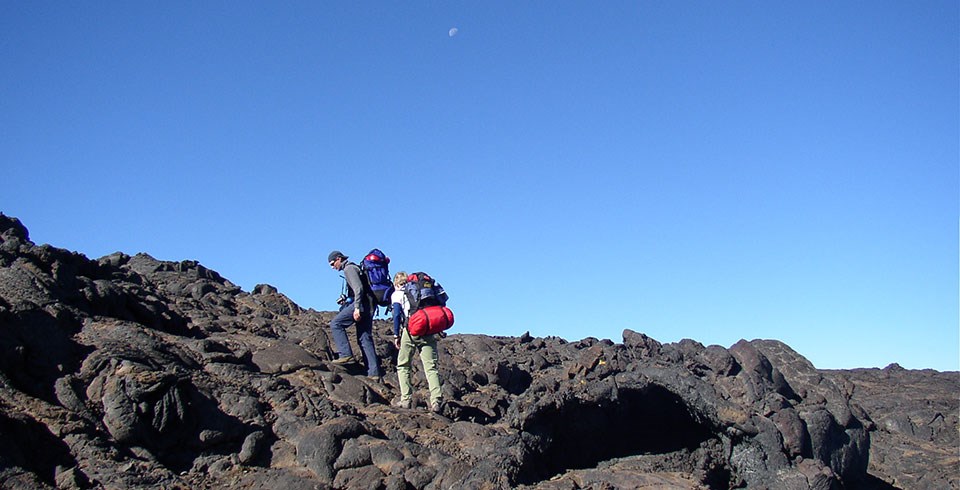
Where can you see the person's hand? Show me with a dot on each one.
(396, 342)
(356, 314)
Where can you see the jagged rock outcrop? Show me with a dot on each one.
(917, 413)
(129, 372)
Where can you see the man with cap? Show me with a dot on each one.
(355, 308)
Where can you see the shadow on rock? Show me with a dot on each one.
(30, 445)
(576, 434)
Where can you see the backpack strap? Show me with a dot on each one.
(412, 299)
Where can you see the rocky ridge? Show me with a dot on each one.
(916, 441)
(129, 372)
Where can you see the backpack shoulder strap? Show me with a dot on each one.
(364, 282)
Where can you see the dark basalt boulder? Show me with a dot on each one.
(130, 372)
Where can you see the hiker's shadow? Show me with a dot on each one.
(350, 383)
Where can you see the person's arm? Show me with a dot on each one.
(397, 318)
(352, 274)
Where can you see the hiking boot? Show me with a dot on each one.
(375, 378)
(403, 403)
(345, 360)
(435, 406)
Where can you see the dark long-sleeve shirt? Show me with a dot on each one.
(397, 319)
(400, 307)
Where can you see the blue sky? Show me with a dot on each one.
(704, 170)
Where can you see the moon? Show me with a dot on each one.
(453, 32)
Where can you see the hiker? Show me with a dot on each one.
(355, 307)
(407, 344)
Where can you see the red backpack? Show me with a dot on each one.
(428, 306)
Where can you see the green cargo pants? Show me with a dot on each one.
(427, 346)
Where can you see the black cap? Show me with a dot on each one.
(335, 255)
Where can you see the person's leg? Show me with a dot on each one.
(365, 339)
(338, 327)
(429, 356)
(404, 359)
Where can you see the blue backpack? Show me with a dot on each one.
(376, 267)
(422, 291)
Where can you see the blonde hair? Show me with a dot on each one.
(399, 279)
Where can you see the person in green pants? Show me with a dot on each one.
(407, 345)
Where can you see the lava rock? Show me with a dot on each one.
(179, 379)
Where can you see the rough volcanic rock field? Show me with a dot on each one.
(129, 372)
